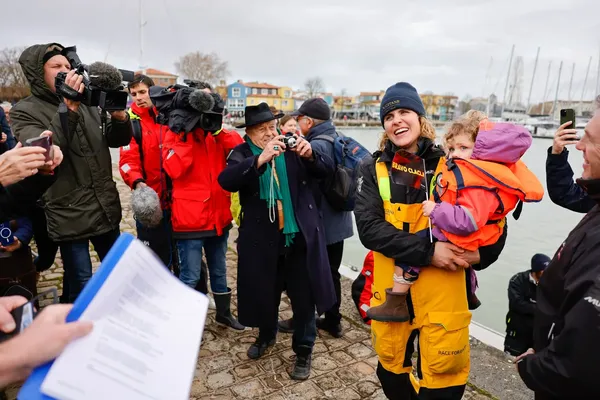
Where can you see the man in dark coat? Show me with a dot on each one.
(83, 205)
(563, 363)
(314, 120)
(522, 290)
(281, 236)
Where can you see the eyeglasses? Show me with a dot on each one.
(302, 117)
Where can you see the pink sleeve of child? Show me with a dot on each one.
(469, 214)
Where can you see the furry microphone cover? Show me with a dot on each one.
(146, 207)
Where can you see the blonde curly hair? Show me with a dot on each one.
(427, 131)
(468, 124)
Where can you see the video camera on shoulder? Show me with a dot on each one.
(103, 83)
(186, 108)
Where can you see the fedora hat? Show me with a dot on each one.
(258, 114)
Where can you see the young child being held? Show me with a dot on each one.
(482, 180)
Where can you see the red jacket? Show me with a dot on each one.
(200, 206)
(130, 165)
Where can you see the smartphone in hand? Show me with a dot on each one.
(42, 141)
(566, 115)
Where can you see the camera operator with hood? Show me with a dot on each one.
(194, 153)
(83, 204)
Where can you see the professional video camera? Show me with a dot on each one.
(103, 83)
(193, 83)
(186, 108)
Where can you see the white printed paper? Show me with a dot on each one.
(147, 332)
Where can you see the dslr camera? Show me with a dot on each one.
(103, 83)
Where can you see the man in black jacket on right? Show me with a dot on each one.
(563, 363)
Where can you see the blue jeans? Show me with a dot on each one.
(78, 264)
(190, 259)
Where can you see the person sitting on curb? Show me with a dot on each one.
(522, 289)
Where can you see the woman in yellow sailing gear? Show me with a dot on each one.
(389, 217)
(482, 181)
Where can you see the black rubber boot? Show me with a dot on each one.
(224, 316)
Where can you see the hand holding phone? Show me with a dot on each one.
(566, 133)
(42, 141)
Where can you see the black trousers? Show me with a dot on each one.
(159, 239)
(292, 272)
(46, 248)
(398, 387)
(335, 252)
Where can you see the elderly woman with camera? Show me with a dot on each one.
(281, 238)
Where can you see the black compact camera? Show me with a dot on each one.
(103, 83)
(290, 140)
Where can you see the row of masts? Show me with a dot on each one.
(506, 87)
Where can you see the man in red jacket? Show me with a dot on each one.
(140, 163)
(201, 213)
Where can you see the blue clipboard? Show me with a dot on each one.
(31, 388)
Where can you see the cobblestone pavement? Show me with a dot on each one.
(341, 368)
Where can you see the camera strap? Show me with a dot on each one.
(63, 114)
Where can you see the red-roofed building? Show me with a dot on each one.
(160, 78)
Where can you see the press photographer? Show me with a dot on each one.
(83, 205)
(194, 153)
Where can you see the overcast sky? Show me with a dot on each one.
(437, 45)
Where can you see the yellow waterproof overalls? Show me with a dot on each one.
(439, 301)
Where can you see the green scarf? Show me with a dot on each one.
(281, 191)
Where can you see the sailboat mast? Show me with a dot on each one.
(557, 87)
(487, 78)
(598, 77)
(584, 85)
(571, 81)
(512, 52)
(537, 56)
(546, 88)
(141, 36)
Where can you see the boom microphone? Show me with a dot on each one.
(201, 101)
(105, 76)
(145, 205)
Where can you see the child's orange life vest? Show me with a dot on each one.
(511, 183)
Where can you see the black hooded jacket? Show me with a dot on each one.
(566, 329)
(84, 201)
